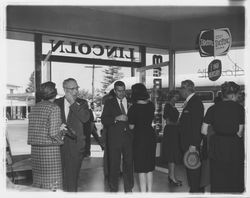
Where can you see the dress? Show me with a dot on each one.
(171, 145)
(226, 149)
(144, 143)
(171, 137)
(45, 139)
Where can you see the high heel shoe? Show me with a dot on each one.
(174, 183)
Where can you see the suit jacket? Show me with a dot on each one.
(190, 123)
(115, 129)
(78, 115)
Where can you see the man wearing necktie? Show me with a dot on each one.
(120, 137)
(74, 113)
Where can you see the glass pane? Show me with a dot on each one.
(20, 93)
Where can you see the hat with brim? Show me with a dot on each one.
(191, 160)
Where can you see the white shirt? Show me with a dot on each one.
(124, 102)
(66, 108)
(187, 99)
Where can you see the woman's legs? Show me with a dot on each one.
(171, 175)
(142, 181)
(149, 181)
(171, 168)
(146, 181)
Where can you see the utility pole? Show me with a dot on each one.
(93, 79)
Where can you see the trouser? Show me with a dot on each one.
(105, 154)
(71, 165)
(115, 154)
(194, 178)
(87, 134)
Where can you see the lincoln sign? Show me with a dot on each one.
(214, 42)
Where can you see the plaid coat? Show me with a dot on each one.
(45, 139)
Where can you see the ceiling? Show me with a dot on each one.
(168, 27)
(167, 13)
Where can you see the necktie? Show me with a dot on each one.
(122, 108)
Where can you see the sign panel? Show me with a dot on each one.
(214, 42)
(222, 41)
(214, 70)
(87, 49)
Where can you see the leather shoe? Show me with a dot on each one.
(174, 183)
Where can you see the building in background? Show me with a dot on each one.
(18, 103)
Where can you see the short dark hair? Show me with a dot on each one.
(47, 90)
(228, 88)
(68, 80)
(119, 84)
(139, 92)
(189, 84)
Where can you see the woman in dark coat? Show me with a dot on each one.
(140, 117)
(171, 153)
(226, 145)
(45, 138)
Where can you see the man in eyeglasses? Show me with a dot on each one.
(74, 113)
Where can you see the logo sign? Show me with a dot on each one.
(214, 42)
(214, 70)
(222, 41)
(206, 43)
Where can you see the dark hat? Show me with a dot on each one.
(191, 160)
(47, 90)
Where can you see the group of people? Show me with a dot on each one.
(220, 132)
(57, 138)
(131, 140)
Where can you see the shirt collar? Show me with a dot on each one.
(66, 102)
(189, 97)
(123, 100)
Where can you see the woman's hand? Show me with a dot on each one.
(131, 126)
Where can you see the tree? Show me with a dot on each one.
(111, 74)
(31, 84)
(84, 94)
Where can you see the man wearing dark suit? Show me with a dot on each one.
(190, 125)
(74, 113)
(120, 139)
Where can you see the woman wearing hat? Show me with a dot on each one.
(226, 145)
(140, 117)
(171, 153)
(45, 139)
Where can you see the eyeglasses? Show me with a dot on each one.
(72, 88)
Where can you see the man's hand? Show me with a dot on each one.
(69, 98)
(192, 148)
(63, 127)
(121, 117)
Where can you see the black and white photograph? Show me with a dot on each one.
(124, 98)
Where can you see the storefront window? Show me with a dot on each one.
(20, 82)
